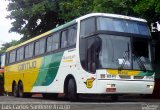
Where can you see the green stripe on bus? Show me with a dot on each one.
(48, 69)
(64, 26)
(147, 73)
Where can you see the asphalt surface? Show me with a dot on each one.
(39, 103)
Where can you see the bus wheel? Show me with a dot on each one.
(14, 90)
(72, 91)
(20, 90)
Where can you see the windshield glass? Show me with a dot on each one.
(141, 54)
(116, 53)
(122, 25)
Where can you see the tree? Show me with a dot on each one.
(123, 7)
(33, 17)
(148, 9)
(7, 45)
(71, 9)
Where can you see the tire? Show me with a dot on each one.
(15, 90)
(72, 90)
(21, 93)
(20, 90)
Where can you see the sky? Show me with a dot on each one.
(5, 25)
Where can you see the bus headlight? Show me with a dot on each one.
(111, 85)
(102, 76)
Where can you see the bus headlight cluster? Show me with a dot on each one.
(150, 86)
(102, 76)
(111, 85)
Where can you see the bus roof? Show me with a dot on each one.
(74, 21)
(112, 16)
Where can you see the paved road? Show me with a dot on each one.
(39, 103)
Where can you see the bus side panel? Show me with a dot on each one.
(66, 67)
(30, 75)
(11, 74)
(26, 72)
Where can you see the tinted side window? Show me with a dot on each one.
(72, 36)
(64, 41)
(27, 51)
(12, 56)
(69, 37)
(53, 42)
(40, 46)
(21, 53)
(87, 27)
(18, 55)
(31, 47)
(37, 48)
(49, 44)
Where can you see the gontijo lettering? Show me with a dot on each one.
(27, 66)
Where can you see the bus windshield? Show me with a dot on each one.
(124, 43)
(122, 25)
(117, 52)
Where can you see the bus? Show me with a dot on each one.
(96, 54)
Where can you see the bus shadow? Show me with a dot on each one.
(102, 99)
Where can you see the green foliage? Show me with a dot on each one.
(33, 17)
(7, 45)
(71, 9)
(148, 9)
(114, 6)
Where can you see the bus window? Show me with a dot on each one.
(87, 27)
(69, 37)
(64, 42)
(49, 44)
(42, 46)
(12, 56)
(18, 55)
(72, 36)
(37, 48)
(53, 42)
(31, 47)
(27, 51)
(21, 53)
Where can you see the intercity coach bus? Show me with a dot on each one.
(97, 53)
